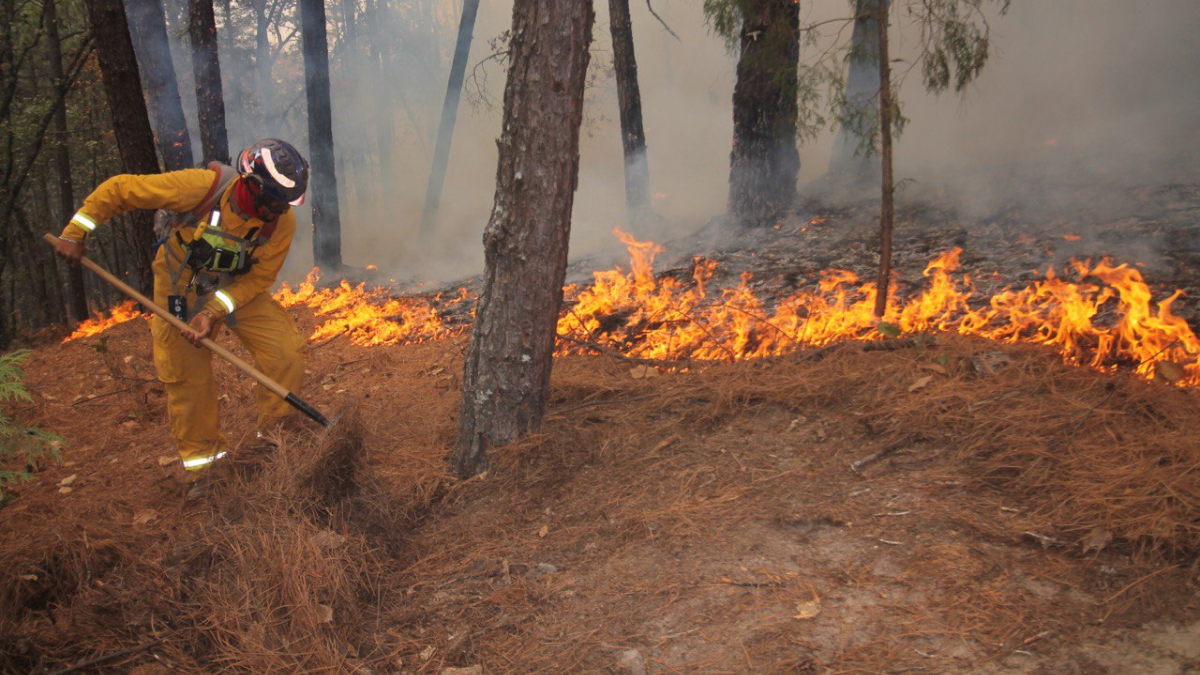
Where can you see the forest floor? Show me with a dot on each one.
(948, 504)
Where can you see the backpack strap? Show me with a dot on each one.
(224, 178)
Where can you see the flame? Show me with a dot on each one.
(370, 316)
(123, 312)
(1100, 315)
(1109, 323)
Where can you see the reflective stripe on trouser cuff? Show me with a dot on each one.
(226, 300)
(198, 462)
(84, 222)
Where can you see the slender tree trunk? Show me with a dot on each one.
(327, 228)
(507, 375)
(854, 163)
(131, 124)
(262, 64)
(441, 152)
(206, 68)
(148, 26)
(887, 211)
(765, 163)
(76, 298)
(629, 98)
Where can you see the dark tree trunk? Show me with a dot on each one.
(206, 68)
(764, 162)
(629, 98)
(854, 163)
(131, 124)
(887, 211)
(75, 293)
(262, 63)
(327, 228)
(441, 153)
(507, 375)
(148, 26)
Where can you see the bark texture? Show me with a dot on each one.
(629, 99)
(765, 163)
(887, 211)
(148, 26)
(206, 68)
(507, 376)
(327, 226)
(131, 123)
(854, 163)
(76, 293)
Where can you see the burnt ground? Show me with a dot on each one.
(940, 505)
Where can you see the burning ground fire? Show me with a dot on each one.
(126, 311)
(1106, 318)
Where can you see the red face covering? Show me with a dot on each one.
(245, 199)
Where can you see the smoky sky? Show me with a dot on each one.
(1074, 90)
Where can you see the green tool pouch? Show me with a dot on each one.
(215, 253)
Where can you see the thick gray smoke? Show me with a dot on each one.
(1076, 91)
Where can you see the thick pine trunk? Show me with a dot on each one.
(148, 26)
(441, 152)
(629, 99)
(327, 226)
(206, 68)
(854, 163)
(507, 375)
(887, 211)
(76, 299)
(765, 163)
(131, 124)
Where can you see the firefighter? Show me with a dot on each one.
(225, 234)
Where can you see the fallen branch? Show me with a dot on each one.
(109, 657)
(660, 20)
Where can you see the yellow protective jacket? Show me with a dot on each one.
(182, 191)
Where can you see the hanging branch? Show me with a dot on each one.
(660, 20)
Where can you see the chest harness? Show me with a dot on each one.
(213, 256)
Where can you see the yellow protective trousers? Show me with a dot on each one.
(265, 328)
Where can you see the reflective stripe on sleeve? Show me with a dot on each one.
(226, 300)
(84, 222)
(215, 220)
(202, 461)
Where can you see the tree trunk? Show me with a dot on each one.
(76, 298)
(629, 98)
(441, 153)
(507, 375)
(148, 26)
(131, 124)
(206, 68)
(262, 63)
(765, 163)
(327, 228)
(854, 163)
(887, 211)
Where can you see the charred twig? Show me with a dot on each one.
(109, 657)
(895, 344)
(870, 459)
(660, 20)
(608, 351)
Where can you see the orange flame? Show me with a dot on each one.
(123, 312)
(369, 316)
(1110, 324)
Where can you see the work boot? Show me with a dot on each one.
(198, 483)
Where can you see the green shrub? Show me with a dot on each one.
(16, 440)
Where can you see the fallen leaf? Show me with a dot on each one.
(68, 480)
(144, 517)
(165, 460)
(130, 423)
(1097, 539)
(1170, 371)
(29, 577)
(663, 444)
(427, 653)
(807, 609)
(328, 539)
(129, 358)
(920, 383)
(65, 491)
(544, 531)
(324, 613)
(936, 367)
(888, 329)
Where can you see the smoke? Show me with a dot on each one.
(1077, 93)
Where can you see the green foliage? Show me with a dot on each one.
(29, 443)
(954, 36)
